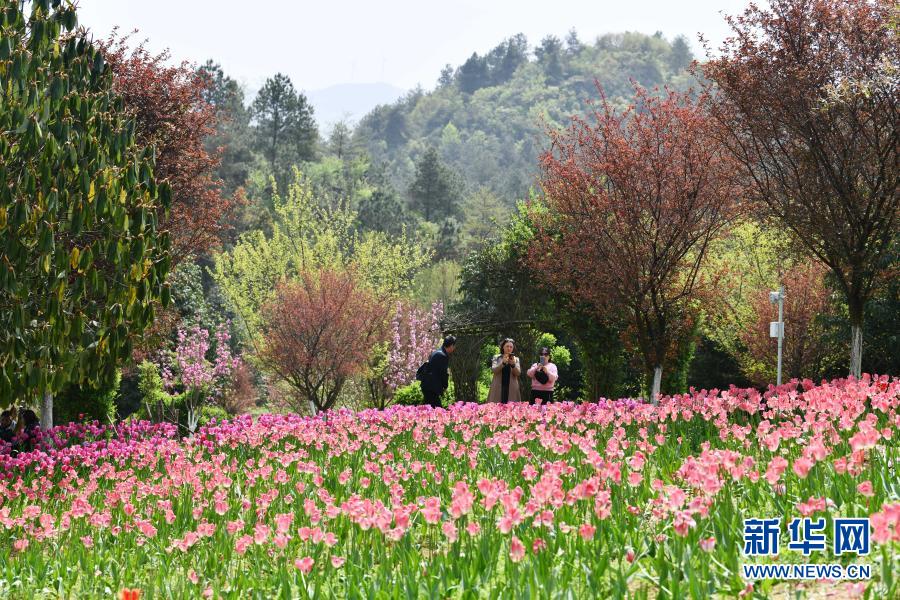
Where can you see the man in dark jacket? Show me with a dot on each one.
(437, 378)
(7, 428)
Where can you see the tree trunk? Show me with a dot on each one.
(657, 383)
(856, 336)
(312, 408)
(47, 411)
(464, 368)
(857, 313)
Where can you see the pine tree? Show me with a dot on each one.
(285, 129)
(549, 56)
(573, 44)
(435, 192)
(681, 56)
(232, 127)
(474, 74)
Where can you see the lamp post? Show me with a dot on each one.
(776, 328)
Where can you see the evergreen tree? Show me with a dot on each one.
(503, 60)
(435, 192)
(382, 211)
(82, 259)
(485, 214)
(474, 74)
(573, 44)
(340, 140)
(447, 242)
(285, 129)
(549, 56)
(232, 127)
(681, 56)
(447, 74)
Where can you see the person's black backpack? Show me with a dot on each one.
(423, 372)
(542, 377)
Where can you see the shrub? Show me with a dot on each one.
(210, 412)
(411, 395)
(85, 403)
(154, 396)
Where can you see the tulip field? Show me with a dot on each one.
(611, 499)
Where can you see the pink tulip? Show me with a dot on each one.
(516, 549)
(304, 564)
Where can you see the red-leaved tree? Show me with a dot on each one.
(808, 95)
(805, 349)
(633, 201)
(318, 332)
(170, 113)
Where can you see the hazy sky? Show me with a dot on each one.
(401, 42)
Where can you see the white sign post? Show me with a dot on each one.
(776, 328)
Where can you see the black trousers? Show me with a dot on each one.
(544, 395)
(433, 397)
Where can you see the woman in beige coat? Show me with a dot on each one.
(506, 369)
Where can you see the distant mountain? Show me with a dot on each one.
(488, 117)
(349, 100)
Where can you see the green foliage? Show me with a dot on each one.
(411, 395)
(84, 403)
(81, 260)
(232, 128)
(750, 258)
(560, 355)
(485, 215)
(447, 241)
(307, 236)
(499, 105)
(382, 211)
(339, 183)
(378, 394)
(605, 369)
(496, 284)
(549, 57)
(438, 281)
(436, 190)
(192, 302)
(714, 368)
(209, 412)
(283, 122)
(150, 385)
(675, 378)
(487, 352)
(154, 397)
(881, 329)
(483, 391)
(340, 142)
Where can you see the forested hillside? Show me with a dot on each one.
(487, 116)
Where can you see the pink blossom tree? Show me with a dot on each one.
(414, 334)
(201, 378)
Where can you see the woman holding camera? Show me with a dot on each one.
(506, 369)
(543, 378)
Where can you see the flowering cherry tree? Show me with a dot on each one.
(201, 378)
(414, 334)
